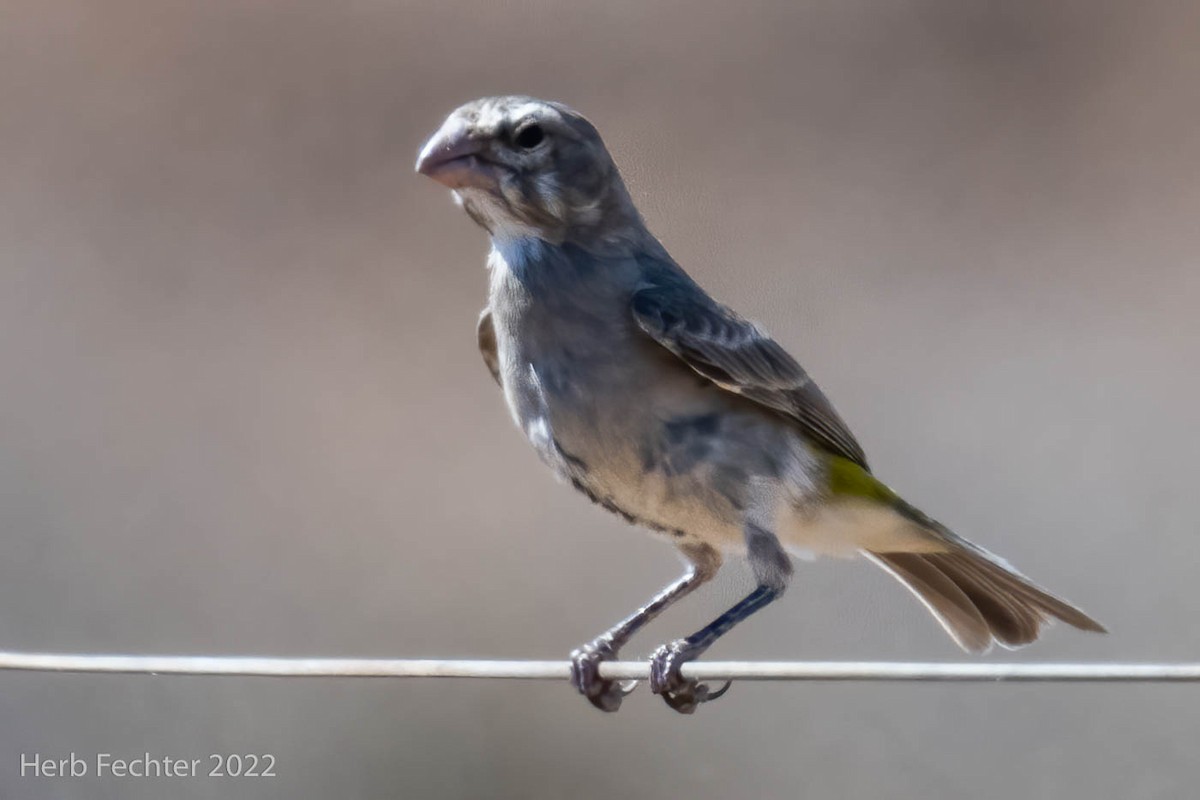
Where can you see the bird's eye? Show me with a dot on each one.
(529, 137)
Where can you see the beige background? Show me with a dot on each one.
(241, 410)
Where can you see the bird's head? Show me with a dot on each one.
(526, 167)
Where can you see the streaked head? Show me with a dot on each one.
(522, 166)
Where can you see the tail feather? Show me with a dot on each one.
(977, 597)
(942, 596)
(1012, 609)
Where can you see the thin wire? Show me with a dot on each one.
(617, 670)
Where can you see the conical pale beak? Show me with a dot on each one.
(452, 158)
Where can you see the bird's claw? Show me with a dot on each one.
(604, 694)
(682, 694)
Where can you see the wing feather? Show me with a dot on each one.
(738, 356)
(485, 333)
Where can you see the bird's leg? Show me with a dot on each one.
(606, 695)
(772, 569)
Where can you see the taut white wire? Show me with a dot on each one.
(620, 670)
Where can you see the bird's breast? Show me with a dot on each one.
(600, 401)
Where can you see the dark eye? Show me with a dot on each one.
(529, 137)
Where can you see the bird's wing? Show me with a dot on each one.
(485, 332)
(735, 355)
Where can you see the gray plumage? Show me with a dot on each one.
(668, 408)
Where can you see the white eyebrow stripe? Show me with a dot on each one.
(491, 117)
(527, 109)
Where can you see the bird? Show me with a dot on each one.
(671, 410)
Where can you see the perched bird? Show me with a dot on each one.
(667, 408)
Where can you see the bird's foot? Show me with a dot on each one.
(604, 694)
(682, 694)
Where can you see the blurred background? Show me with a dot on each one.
(242, 412)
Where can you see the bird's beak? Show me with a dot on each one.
(452, 157)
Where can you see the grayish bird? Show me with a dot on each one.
(667, 408)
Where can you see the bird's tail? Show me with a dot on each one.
(977, 596)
